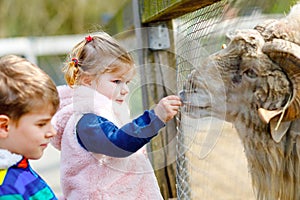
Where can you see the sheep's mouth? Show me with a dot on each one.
(195, 105)
(196, 111)
(189, 104)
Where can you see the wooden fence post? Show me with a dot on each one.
(159, 73)
(163, 76)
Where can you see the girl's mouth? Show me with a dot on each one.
(120, 101)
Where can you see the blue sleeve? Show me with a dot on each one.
(97, 134)
(10, 190)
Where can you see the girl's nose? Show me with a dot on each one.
(124, 89)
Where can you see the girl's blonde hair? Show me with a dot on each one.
(96, 55)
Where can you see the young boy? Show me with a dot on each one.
(28, 100)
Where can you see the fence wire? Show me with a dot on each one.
(205, 170)
(193, 31)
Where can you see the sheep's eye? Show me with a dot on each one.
(250, 73)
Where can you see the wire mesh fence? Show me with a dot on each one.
(193, 31)
(210, 157)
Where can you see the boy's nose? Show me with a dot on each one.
(52, 132)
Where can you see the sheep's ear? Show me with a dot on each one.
(278, 130)
(266, 115)
(277, 133)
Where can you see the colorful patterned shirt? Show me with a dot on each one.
(21, 182)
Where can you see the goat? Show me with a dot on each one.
(259, 74)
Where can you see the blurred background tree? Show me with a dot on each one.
(54, 17)
(38, 18)
(265, 6)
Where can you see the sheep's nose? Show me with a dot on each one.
(182, 96)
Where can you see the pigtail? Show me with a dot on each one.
(71, 70)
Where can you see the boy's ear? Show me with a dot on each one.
(4, 126)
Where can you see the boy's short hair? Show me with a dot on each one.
(24, 87)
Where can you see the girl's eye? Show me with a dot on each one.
(117, 81)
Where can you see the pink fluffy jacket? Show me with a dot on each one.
(90, 176)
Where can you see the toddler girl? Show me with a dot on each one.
(101, 148)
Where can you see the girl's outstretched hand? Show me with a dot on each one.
(167, 107)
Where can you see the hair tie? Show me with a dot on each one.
(88, 38)
(75, 60)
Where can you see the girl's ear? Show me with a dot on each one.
(86, 81)
(4, 119)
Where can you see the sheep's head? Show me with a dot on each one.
(258, 76)
(250, 79)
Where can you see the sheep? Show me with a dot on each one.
(259, 74)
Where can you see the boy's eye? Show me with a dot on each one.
(41, 124)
